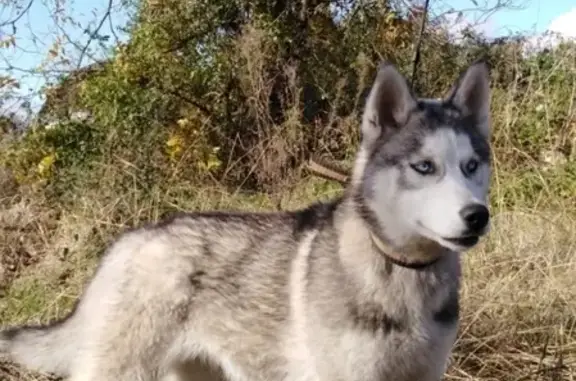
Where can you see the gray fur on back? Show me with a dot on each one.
(295, 296)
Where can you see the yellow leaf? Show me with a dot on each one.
(173, 141)
(182, 122)
(174, 146)
(46, 165)
(211, 162)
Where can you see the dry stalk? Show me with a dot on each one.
(329, 171)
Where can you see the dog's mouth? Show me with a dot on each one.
(466, 241)
(463, 242)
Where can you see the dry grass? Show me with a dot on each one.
(519, 301)
(519, 294)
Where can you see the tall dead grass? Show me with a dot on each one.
(519, 301)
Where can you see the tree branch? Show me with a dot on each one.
(18, 17)
(416, 58)
(95, 33)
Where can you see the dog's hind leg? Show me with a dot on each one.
(138, 304)
(132, 344)
(110, 366)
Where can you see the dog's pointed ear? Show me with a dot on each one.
(388, 105)
(471, 94)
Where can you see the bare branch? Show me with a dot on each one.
(327, 171)
(416, 58)
(116, 39)
(95, 33)
(74, 43)
(19, 16)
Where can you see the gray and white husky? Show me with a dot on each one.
(362, 288)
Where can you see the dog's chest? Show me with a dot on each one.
(413, 347)
(377, 348)
(418, 352)
(402, 336)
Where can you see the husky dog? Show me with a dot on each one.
(362, 288)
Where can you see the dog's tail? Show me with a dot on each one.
(50, 348)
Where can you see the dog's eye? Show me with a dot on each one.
(471, 166)
(424, 167)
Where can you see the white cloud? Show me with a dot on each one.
(565, 24)
(560, 29)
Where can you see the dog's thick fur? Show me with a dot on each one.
(363, 288)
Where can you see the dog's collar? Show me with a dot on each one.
(387, 252)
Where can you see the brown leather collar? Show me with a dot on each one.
(387, 252)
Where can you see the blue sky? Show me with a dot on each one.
(38, 29)
(535, 17)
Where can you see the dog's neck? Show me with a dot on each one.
(417, 253)
(419, 257)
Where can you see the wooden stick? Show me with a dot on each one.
(328, 171)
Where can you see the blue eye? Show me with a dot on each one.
(471, 166)
(424, 167)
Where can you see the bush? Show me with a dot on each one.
(241, 93)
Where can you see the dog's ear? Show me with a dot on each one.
(471, 94)
(388, 105)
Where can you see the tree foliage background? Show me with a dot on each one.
(242, 92)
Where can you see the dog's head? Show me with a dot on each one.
(423, 168)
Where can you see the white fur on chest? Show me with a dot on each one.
(316, 351)
(420, 356)
(356, 355)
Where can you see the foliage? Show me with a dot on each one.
(242, 92)
(59, 157)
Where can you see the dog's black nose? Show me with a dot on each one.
(476, 216)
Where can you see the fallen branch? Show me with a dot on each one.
(328, 171)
